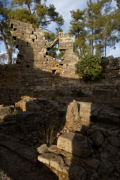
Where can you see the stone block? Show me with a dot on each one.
(78, 114)
(42, 149)
(52, 160)
(76, 144)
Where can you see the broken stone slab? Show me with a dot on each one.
(53, 148)
(42, 149)
(72, 117)
(78, 114)
(81, 114)
(5, 111)
(74, 143)
(23, 102)
(54, 161)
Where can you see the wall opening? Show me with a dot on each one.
(55, 52)
(54, 71)
(15, 54)
(14, 37)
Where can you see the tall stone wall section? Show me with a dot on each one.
(33, 50)
(38, 75)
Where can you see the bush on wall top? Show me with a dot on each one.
(91, 67)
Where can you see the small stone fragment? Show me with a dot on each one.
(42, 149)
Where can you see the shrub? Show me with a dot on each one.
(91, 67)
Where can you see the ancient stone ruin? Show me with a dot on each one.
(52, 124)
(33, 50)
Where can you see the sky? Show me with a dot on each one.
(64, 7)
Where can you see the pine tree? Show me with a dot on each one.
(96, 29)
(5, 31)
(35, 12)
(109, 30)
(93, 24)
(77, 29)
(30, 11)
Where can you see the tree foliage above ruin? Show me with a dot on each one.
(96, 27)
(35, 12)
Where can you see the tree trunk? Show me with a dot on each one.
(92, 43)
(28, 6)
(6, 47)
(105, 47)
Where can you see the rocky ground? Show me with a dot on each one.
(91, 152)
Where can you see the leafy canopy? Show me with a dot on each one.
(91, 67)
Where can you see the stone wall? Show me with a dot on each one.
(38, 75)
(33, 50)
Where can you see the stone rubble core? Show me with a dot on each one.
(33, 50)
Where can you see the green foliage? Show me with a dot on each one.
(78, 30)
(24, 16)
(95, 28)
(91, 67)
(5, 35)
(36, 12)
(50, 37)
(54, 50)
(20, 2)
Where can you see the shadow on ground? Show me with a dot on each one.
(23, 132)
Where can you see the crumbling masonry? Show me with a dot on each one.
(33, 50)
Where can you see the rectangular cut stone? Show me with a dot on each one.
(65, 42)
(85, 112)
(74, 143)
(52, 160)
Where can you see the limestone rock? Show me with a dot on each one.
(5, 111)
(76, 144)
(53, 161)
(78, 114)
(106, 113)
(93, 163)
(22, 103)
(72, 117)
(42, 149)
(96, 136)
(85, 112)
(77, 172)
(52, 148)
(114, 141)
(106, 167)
